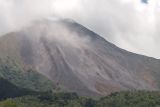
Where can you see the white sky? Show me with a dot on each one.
(129, 24)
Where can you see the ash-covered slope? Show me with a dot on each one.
(78, 60)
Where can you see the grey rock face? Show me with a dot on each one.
(78, 60)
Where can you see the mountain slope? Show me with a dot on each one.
(9, 90)
(23, 78)
(78, 60)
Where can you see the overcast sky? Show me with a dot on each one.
(130, 24)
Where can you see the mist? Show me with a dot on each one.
(130, 24)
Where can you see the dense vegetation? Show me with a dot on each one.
(8, 90)
(131, 99)
(24, 78)
(122, 99)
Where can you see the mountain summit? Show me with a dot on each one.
(78, 60)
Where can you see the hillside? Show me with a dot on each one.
(78, 60)
(23, 78)
(8, 90)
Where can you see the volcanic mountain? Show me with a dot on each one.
(78, 60)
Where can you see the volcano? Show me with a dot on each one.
(78, 60)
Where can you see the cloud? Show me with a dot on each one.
(130, 24)
(17, 13)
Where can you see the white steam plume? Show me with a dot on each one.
(130, 24)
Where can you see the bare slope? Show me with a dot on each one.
(76, 59)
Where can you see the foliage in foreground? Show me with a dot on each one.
(122, 99)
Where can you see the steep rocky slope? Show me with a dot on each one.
(78, 60)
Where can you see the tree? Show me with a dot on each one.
(8, 103)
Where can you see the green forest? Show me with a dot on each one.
(49, 99)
